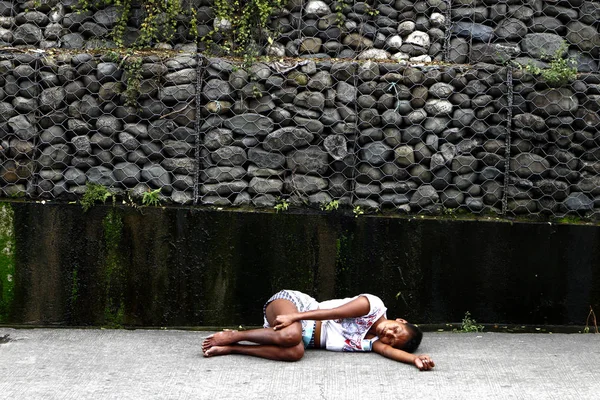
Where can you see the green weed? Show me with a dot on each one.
(151, 197)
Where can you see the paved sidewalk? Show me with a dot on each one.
(158, 364)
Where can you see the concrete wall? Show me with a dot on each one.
(185, 266)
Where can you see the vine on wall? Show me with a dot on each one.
(159, 19)
(243, 25)
(239, 28)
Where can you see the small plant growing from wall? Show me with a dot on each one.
(468, 324)
(282, 205)
(151, 197)
(591, 316)
(331, 206)
(560, 72)
(93, 193)
(358, 211)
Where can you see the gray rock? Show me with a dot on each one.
(264, 200)
(452, 198)
(436, 107)
(336, 146)
(424, 196)
(250, 124)
(184, 76)
(82, 145)
(366, 190)
(463, 164)
(320, 81)
(542, 46)
(416, 117)
(526, 165)
(589, 13)
(529, 121)
(24, 71)
(156, 175)
(510, 29)
(7, 111)
(583, 36)
(24, 105)
(264, 186)
(27, 34)
(310, 100)
(217, 138)
(90, 29)
(551, 102)
(172, 148)
(101, 176)
(376, 153)
(161, 129)
(343, 71)
(368, 70)
(558, 190)
(578, 202)
(345, 93)
(304, 184)
(222, 174)
(287, 138)
(22, 126)
(108, 72)
(311, 125)
(215, 89)
(310, 160)
(127, 174)
(492, 192)
(404, 156)
(108, 124)
(182, 197)
(182, 93)
(441, 90)
(373, 54)
(72, 41)
(477, 32)
(183, 165)
(108, 17)
(223, 188)
(229, 156)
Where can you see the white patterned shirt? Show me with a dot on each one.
(348, 334)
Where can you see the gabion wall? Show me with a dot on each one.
(399, 134)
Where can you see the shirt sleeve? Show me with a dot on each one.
(377, 308)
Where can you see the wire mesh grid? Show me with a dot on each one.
(507, 124)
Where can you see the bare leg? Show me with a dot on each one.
(284, 344)
(270, 352)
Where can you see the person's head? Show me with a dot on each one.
(400, 334)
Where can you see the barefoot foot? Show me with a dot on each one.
(219, 339)
(216, 351)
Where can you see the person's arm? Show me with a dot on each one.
(353, 309)
(421, 361)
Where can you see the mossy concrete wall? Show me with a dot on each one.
(196, 267)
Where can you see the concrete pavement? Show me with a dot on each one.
(167, 364)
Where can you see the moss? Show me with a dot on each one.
(74, 287)
(7, 260)
(342, 258)
(114, 272)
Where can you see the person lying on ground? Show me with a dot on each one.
(294, 321)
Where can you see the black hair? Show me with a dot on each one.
(416, 335)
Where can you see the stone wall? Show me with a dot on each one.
(459, 31)
(401, 133)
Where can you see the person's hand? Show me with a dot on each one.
(281, 321)
(423, 362)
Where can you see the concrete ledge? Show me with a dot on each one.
(197, 267)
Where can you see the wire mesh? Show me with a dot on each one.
(347, 110)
